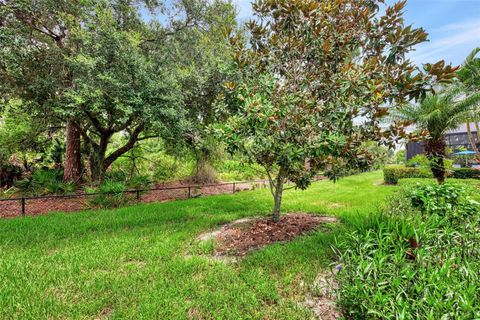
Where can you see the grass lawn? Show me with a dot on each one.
(135, 262)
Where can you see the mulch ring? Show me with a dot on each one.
(242, 236)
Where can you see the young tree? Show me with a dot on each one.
(317, 77)
(435, 115)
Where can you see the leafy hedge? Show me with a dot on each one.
(392, 173)
(466, 173)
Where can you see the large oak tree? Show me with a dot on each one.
(101, 69)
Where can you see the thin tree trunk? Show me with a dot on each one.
(73, 165)
(472, 139)
(436, 152)
(277, 196)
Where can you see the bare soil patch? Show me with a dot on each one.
(244, 235)
(323, 299)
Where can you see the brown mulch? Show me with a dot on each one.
(238, 238)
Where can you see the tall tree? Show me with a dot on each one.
(204, 56)
(99, 67)
(119, 88)
(317, 76)
(34, 53)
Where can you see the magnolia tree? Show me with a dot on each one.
(317, 77)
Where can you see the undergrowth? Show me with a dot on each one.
(416, 259)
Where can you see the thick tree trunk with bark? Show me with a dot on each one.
(73, 163)
(435, 150)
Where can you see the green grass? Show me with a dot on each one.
(135, 262)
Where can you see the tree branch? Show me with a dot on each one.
(95, 122)
(126, 147)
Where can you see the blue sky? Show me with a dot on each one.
(453, 27)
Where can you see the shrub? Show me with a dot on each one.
(392, 173)
(236, 170)
(111, 194)
(139, 182)
(414, 266)
(116, 175)
(419, 160)
(165, 169)
(45, 181)
(466, 173)
(444, 200)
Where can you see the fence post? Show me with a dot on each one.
(23, 206)
(189, 192)
(234, 187)
(138, 195)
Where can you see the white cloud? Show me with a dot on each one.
(451, 42)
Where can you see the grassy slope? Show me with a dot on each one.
(132, 262)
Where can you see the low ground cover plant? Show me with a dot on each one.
(111, 194)
(417, 259)
(42, 182)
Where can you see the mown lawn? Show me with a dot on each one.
(136, 262)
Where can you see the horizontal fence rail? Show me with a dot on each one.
(23, 206)
(35, 205)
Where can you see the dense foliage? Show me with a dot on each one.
(417, 260)
(315, 81)
(466, 173)
(393, 173)
(99, 70)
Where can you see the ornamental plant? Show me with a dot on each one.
(317, 77)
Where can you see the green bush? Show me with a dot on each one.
(392, 173)
(413, 265)
(44, 182)
(466, 173)
(443, 200)
(236, 170)
(116, 175)
(419, 160)
(111, 194)
(139, 182)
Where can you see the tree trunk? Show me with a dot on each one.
(436, 152)
(98, 165)
(472, 138)
(277, 197)
(203, 173)
(73, 165)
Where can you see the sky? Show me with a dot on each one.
(453, 27)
